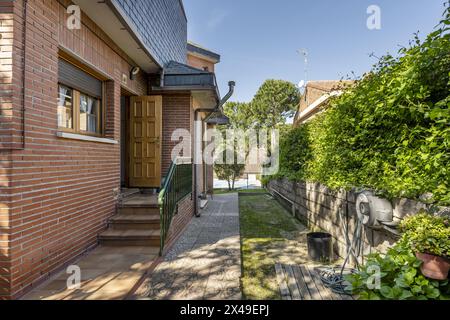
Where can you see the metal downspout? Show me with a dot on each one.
(231, 86)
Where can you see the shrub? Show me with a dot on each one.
(390, 132)
(425, 233)
(401, 278)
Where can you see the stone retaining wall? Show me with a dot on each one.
(321, 208)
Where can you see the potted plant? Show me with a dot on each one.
(429, 238)
(399, 278)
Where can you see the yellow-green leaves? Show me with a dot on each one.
(390, 132)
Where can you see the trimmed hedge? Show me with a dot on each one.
(390, 132)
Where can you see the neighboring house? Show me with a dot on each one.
(315, 97)
(86, 123)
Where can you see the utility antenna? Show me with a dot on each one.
(303, 52)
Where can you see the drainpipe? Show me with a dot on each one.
(231, 86)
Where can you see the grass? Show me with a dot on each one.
(226, 191)
(269, 234)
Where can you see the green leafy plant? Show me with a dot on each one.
(426, 233)
(399, 278)
(390, 132)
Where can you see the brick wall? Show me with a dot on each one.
(318, 207)
(56, 194)
(10, 128)
(177, 114)
(6, 121)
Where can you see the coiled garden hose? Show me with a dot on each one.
(333, 278)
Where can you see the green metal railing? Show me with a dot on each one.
(177, 186)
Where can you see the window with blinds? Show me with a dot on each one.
(80, 108)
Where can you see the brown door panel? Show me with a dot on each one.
(146, 132)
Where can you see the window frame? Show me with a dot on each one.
(72, 130)
(83, 66)
(76, 99)
(99, 117)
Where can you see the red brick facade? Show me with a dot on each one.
(56, 194)
(177, 114)
(6, 121)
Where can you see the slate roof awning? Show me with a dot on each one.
(181, 77)
(178, 74)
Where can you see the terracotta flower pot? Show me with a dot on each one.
(434, 267)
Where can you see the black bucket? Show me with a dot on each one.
(320, 246)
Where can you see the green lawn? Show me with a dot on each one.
(269, 234)
(226, 191)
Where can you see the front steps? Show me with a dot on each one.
(136, 224)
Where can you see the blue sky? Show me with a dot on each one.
(259, 39)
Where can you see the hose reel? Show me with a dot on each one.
(372, 210)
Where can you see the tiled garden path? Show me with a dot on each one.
(205, 262)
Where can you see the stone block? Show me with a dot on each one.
(407, 207)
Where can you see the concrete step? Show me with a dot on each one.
(135, 221)
(145, 211)
(127, 193)
(134, 237)
(142, 204)
(141, 201)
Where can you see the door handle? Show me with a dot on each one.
(157, 140)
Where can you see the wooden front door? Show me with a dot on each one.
(145, 146)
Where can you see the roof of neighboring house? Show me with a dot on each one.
(199, 50)
(316, 94)
(315, 89)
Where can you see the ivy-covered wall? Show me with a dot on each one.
(389, 133)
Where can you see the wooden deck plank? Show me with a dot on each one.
(315, 295)
(292, 283)
(326, 293)
(301, 283)
(281, 279)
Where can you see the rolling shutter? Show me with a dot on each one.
(77, 79)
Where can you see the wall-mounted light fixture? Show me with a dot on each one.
(134, 72)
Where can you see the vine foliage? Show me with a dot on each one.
(390, 132)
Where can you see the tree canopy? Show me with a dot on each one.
(272, 105)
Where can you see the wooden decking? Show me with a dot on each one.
(302, 282)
